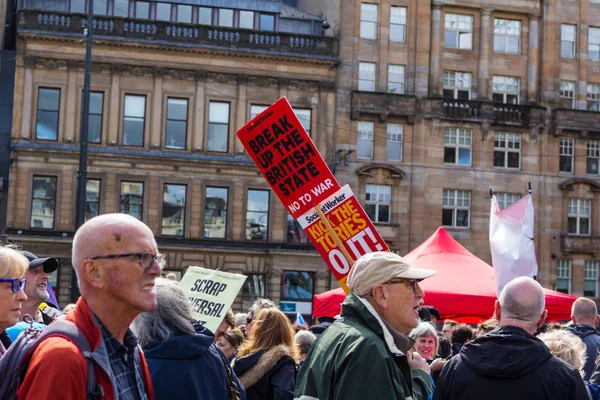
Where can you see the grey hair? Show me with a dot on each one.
(304, 340)
(261, 304)
(425, 329)
(240, 319)
(522, 299)
(173, 315)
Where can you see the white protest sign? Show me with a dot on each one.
(211, 293)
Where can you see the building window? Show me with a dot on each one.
(215, 212)
(566, 155)
(95, 117)
(366, 76)
(218, 126)
(304, 115)
(142, 10)
(398, 24)
(396, 79)
(594, 44)
(77, 6)
(253, 288)
(563, 276)
(394, 142)
(378, 201)
(505, 89)
(567, 94)
(47, 114)
(247, 19)
(368, 21)
(177, 115)
(507, 36)
(267, 22)
(43, 202)
(593, 96)
(507, 150)
(134, 120)
(257, 215)
(457, 85)
(590, 276)
(364, 144)
(458, 32)
(121, 8)
(92, 198)
(457, 146)
(163, 11)
(173, 210)
(226, 17)
(507, 199)
(295, 233)
(456, 206)
(567, 41)
(205, 16)
(132, 199)
(297, 285)
(184, 14)
(255, 110)
(593, 157)
(100, 7)
(579, 217)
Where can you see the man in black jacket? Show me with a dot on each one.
(509, 362)
(584, 314)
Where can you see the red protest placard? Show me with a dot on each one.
(288, 158)
(350, 223)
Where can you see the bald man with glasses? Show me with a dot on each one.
(116, 260)
(365, 354)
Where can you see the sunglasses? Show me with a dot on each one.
(249, 320)
(146, 260)
(412, 282)
(16, 284)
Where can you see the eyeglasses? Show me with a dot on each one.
(249, 320)
(146, 259)
(412, 282)
(16, 284)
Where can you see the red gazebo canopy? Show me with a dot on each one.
(463, 289)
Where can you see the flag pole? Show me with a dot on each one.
(529, 188)
(491, 194)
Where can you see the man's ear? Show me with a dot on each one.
(380, 296)
(573, 319)
(93, 273)
(542, 319)
(497, 310)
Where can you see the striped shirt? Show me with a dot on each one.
(125, 364)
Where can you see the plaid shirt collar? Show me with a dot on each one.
(125, 364)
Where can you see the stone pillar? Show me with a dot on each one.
(72, 133)
(198, 131)
(241, 109)
(435, 82)
(114, 118)
(532, 60)
(484, 55)
(156, 110)
(27, 98)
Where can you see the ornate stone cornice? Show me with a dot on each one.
(569, 184)
(51, 63)
(138, 71)
(29, 61)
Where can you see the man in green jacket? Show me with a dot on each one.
(364, 354)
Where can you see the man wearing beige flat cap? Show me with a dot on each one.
(364, 354)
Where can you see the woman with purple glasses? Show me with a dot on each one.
(13, 266)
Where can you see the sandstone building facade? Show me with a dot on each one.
(422, 107)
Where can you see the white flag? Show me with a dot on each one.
(511, 241)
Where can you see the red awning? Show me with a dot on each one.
(464, 288)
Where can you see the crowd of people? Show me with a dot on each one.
(144, 342)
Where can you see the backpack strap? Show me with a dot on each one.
(68, 330)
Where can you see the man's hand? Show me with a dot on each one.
(437, 365)
(417, 362)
